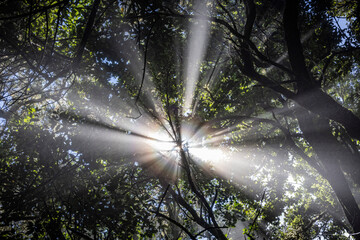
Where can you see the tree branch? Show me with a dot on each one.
(34, 11)
(177, 224)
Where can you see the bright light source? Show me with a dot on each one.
(208, 154)
(162, 146)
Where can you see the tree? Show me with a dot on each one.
(118, 100)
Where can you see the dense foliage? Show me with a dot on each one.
(179, 119)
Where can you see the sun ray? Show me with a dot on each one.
(104, 113)
(144, 82)
(303, 39)
(199, 36)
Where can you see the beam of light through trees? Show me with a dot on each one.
(196, 48)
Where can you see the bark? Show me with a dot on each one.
(322, 104)
(309, 95)
(215, 229)
(330, 152)
(88, 29)
(317, 131)
(295, 50)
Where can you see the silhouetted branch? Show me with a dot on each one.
(34, 11)
(162, 198)
(177, 224)
(145, 60)
(207, 229)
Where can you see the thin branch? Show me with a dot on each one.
(216, 63)
(145, 60)
(228, 27)
(228, 13)
(201, 197)
(87, 31)
(330, 57)
(308, 226)
(177, 224)
(162, 198)
(35, 11)
(207, 229)
(80, 234)
(215, 197)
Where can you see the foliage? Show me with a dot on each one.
(98, 140)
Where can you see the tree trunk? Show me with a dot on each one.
(310, 96)
(331, 153)
(318, 102)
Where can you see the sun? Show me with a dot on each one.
(162, 143)
(207, 154)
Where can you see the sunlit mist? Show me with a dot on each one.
(199, 35)
(140, 126)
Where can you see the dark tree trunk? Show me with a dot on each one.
(322, 104)
(331, 153)
(317, 131)
(310, 96)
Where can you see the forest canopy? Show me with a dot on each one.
(214, 119)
